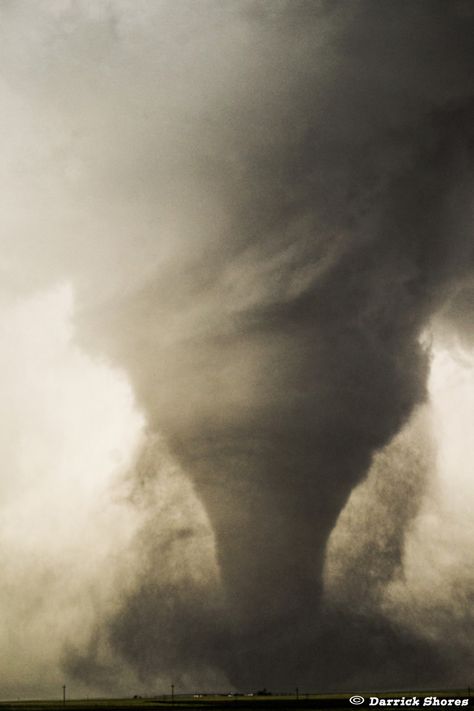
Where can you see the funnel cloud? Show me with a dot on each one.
(246, 226)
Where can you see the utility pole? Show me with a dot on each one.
(172, 694)
(64, 694)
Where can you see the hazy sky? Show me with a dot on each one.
(237, 344)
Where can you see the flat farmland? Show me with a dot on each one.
(236, 702)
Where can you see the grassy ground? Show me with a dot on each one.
(208, 704)
(305, 702)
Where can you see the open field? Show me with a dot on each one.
(227, 702)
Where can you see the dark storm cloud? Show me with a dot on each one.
(290, 354)
(284, 192)
(283, 351)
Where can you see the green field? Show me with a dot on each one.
(204, 702)
(188, 703)
(181, 703)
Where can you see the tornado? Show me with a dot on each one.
(268, 203)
